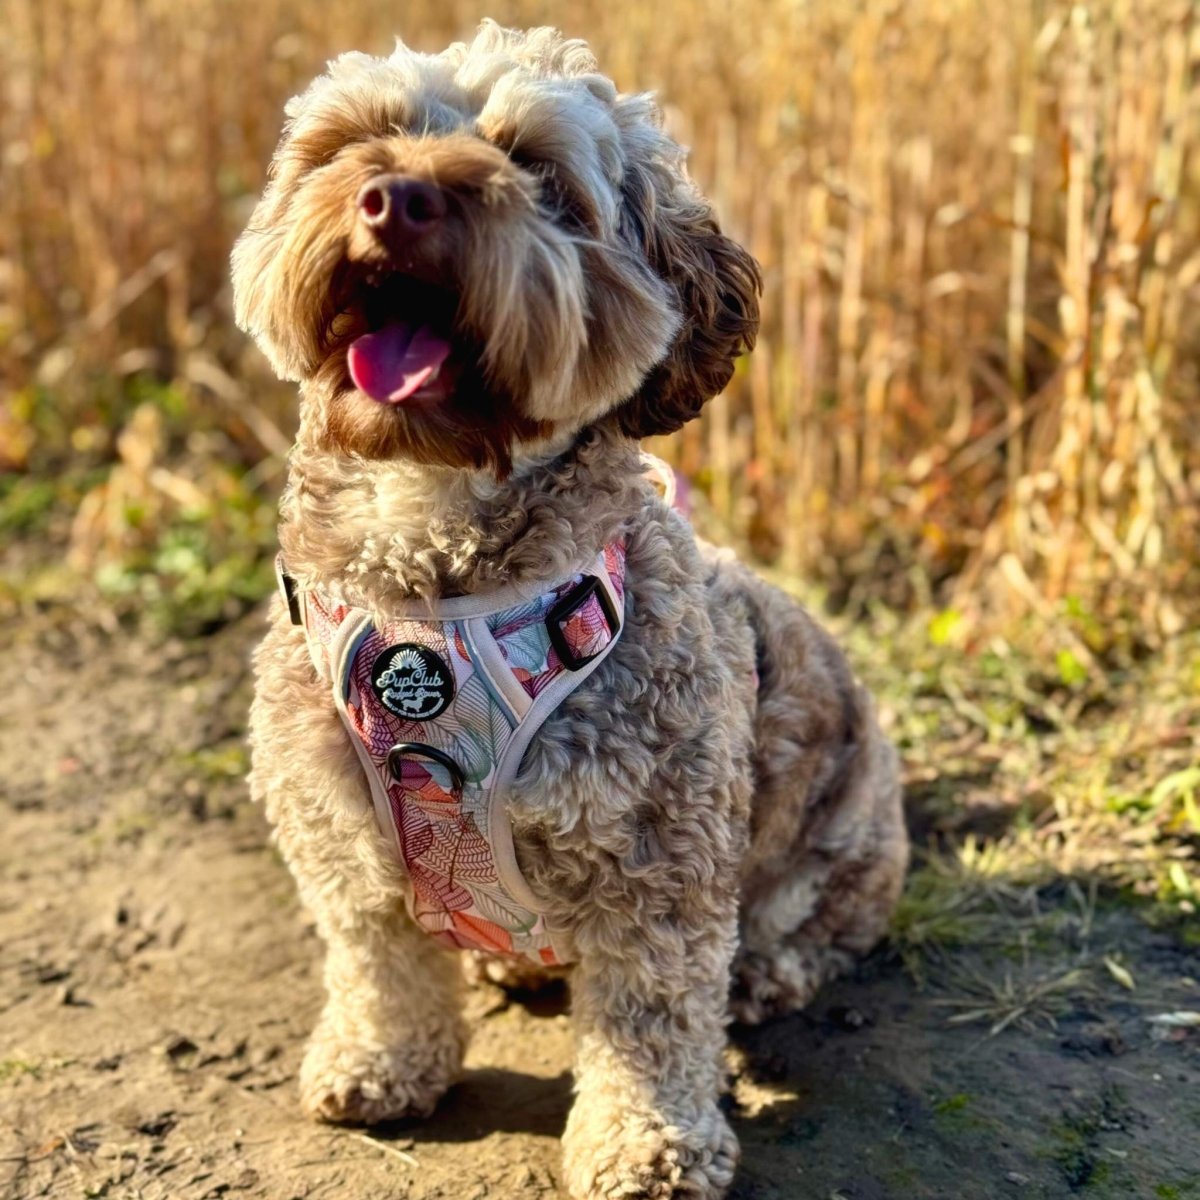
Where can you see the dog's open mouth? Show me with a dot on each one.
(406, 355)
(398, 362)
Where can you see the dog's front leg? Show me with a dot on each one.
(390, 1039)
(649, 998)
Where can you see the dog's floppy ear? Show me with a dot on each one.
(716, 285)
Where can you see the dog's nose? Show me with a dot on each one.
(399, 205)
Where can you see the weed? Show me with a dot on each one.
(15, 1068)
(1075, 1144)
(12, 1069)
(230, 760)
(1020, 998)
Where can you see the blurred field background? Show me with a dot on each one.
(971, 426)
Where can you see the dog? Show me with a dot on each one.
(491, 275)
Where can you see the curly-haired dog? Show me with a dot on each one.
(490, 274)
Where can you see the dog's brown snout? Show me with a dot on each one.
(401, 206)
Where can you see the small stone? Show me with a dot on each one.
(848, 1018)
(179, 1048)
(158, 1125)
(68, 996)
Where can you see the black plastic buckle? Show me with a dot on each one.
(574, 600)
(420, 750)
(287, 585)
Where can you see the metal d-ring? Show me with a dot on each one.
(421, 750)
(567, 607)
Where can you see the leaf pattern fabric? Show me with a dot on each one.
(440, 821)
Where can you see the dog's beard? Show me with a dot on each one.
(472, 428)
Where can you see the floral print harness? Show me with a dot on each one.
(441, 704)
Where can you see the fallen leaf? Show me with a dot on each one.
(1176, 1020)
(1120, 974)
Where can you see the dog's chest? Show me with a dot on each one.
(441, 708)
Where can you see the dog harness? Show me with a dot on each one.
(441, 703)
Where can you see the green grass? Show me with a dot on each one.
(1038, 791)
(134, 508)
(955, 1115)
(229, 760)
(15, 1068)
(26, 504)
(1075, 1144)
(1183, 1189)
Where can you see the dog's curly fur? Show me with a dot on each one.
(716, 803)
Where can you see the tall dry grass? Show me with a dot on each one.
(977, 220)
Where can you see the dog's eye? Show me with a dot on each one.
(567, 203)
(564, 197)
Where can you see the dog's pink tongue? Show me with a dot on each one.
(395, 362)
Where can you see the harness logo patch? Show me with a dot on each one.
(412, 682)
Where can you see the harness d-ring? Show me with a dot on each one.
(420, 750)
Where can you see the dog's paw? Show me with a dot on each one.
(624, 1154)
(362, 1083)
(781, 982)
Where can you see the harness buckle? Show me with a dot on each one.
(567, 607)
(291, 594)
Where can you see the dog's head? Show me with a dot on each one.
(460, 254)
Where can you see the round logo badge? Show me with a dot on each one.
(412, 682)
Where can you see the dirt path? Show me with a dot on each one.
(157, 980)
